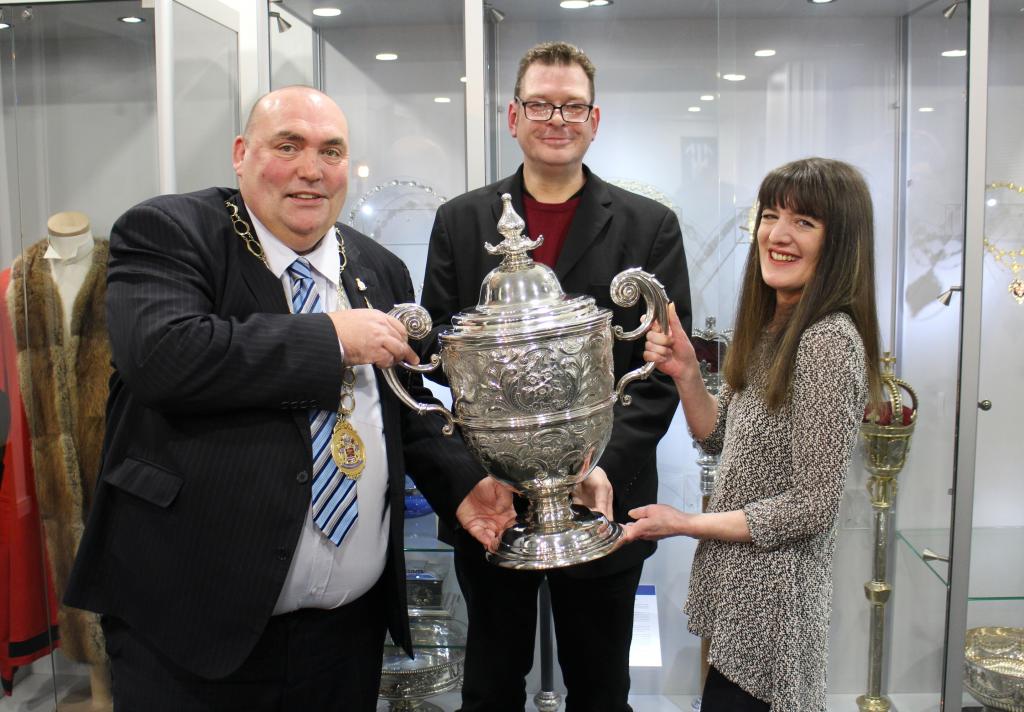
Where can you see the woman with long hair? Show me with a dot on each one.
(802, 366)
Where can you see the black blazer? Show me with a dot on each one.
(205, 479)
(612, 230)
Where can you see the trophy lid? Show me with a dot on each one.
(520, 294)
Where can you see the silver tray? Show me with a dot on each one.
(437, 663)
(994, 667)
(430, 672)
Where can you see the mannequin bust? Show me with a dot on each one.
(69, 249)
(70, 242)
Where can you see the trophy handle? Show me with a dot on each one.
(417, 324)
(626, 289)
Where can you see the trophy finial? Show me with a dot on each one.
(515, 244)
(510, 225)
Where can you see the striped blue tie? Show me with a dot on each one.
(334, 507)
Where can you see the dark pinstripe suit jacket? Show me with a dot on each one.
(205, 484)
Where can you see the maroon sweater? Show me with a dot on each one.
(551, 220)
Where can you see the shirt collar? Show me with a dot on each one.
(79, 251)
(324, 257)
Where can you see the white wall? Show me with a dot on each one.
(81, 134)
(413, 147)
(206, 100)
(999, 484)
(291, 52)
(84, 130)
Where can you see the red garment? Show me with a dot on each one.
(28, 603)
(551, 220)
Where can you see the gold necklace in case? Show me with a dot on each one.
(1008, 258)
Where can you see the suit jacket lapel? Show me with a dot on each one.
(361, 282)
(364, 289)
(591, 216)
(263, 285)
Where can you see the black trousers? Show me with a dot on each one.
(307, 660)
(593, 624)
(723, 695)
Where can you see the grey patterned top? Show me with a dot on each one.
(765, 605)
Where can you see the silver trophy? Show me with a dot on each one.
(533, 390)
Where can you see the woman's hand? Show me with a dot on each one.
(595, 493)
(657, 521)
(672, 353)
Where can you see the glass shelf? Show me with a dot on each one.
(433, 632)
(995, 571)
(421, 535)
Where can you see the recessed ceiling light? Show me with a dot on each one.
(600, 3)
(366, 210)
(926, 109)
(734, 77)
(693, 109)
(955, 53)
(4, 26)
(387, 56)
(991, 202)
(764, 53)
(442, 100)
(574, 4)
(131, 19)
(326, 11)
(363, 170)
(820, 2)
(707, 97)
(462, 79)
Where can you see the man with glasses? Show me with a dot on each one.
(592, 231)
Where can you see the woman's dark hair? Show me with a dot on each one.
(843, 281)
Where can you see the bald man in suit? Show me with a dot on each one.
(237, 561)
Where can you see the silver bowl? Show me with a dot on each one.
(994, 667)
(534, 391)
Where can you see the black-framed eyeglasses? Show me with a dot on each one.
(544, 110)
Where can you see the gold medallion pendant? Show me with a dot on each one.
(347, 449)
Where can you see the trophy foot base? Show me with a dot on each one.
(867, 703)
(410, 706)
(587, 536)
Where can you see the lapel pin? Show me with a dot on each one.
(360, 284)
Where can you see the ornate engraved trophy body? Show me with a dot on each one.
(533, 390)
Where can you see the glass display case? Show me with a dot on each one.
(104, 104)
(698, 101)
(80, 147)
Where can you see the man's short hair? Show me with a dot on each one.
(556, 54)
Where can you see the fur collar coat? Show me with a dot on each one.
(64, 381)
